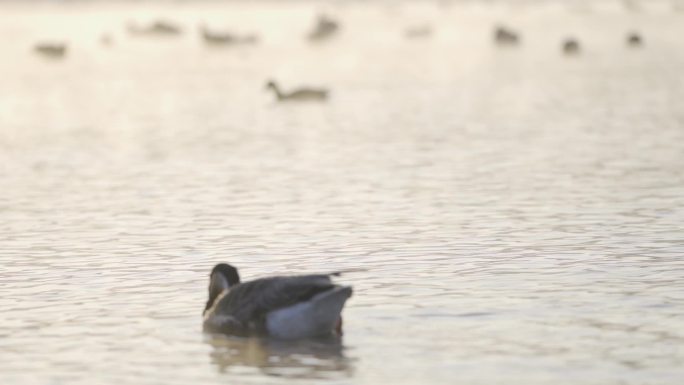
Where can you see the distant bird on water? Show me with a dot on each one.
(302, 94)
(158, 28)
(224, 38)
(284, 307)
(634, 40)
(51, 50)
(506, 36)
(571, 47)
(324, 29)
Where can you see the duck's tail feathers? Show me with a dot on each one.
(318, 316)
(328, 305)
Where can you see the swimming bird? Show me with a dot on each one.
(284, 307)
(224, 38)
(634, 40)
(51, 50)
(324, 29)
(157, 28)
(505, 36)
(302, 94)
(571, 47)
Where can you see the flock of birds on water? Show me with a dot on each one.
(324, 29)
(292, 307)
(569, 46)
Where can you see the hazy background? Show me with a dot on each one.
(517, 212)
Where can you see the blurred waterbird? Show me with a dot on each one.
(634, 40)
(302, 94)
(224, 38)
(51, 50)
(325, 28)
(284, 307)
(157, 28)
(505, 36)
(571, 47)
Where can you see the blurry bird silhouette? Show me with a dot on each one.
(324, 29)
(571, 46)
(51, 50)
(505, 36)
(301, 94)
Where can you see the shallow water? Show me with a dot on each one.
(516, 215)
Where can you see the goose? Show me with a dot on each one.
(212, 37)
(505, 36)
(302, 94)
(51, 50)
(571, 47)
(283, 307)
(225, 38)
(158, 28)
(164, 27)
(324, 29)
(634, 40)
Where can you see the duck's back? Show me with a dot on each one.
(308, 94)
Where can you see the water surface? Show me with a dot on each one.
(517, 214)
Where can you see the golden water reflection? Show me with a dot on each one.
(315, 358)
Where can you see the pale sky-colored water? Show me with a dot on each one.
(518, 213)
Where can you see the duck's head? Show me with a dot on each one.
(271, 85)
(222, 277)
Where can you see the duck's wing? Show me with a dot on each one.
(249, 302)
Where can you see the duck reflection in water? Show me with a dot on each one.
(310, 358)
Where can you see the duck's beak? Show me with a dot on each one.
(217, 285)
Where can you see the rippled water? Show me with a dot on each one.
(517, 215)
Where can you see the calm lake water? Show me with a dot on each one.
(515, 215)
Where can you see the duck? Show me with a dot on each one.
(224, 38)
(505, 36)
(157, 28)
(302, 94)
(51, 50)
(571, 47)
(281, 307)
(634, 40)
(212, 37)
(325, 28)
